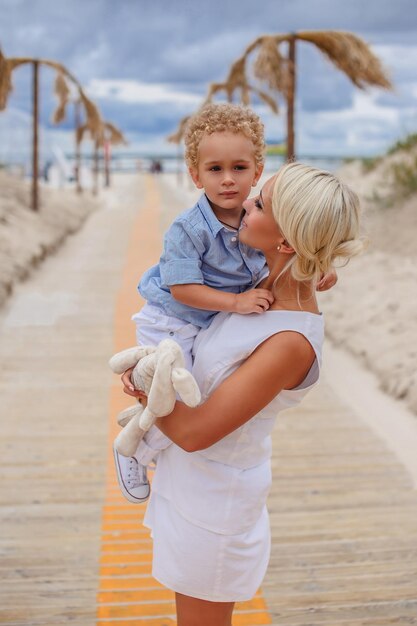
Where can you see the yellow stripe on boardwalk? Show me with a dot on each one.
(128, 595)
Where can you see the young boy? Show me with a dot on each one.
(204, 268)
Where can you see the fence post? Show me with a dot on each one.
(35, 155)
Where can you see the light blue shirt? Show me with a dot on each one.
(201, 250)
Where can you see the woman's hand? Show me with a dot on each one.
(129, 389)
(327, 281)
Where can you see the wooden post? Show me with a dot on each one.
(107, 156)
(77, 120)
(35, 156)
(95, 168)
(291, 98)
(179, 164)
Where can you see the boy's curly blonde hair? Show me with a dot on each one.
(215, 118)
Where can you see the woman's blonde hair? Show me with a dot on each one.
(319, 216)
(217, 118)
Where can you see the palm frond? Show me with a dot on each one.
(93, 121)
(179, 134)
(213, 89)
(62, 91)
(6, 85)
(114, 135)
(236, 78)
(270, 66)
(268, 99)
(80, 132)
(351, 55)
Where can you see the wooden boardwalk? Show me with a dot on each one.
(344, 522)
(343, 508)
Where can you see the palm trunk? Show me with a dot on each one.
(179, 164)
(291, 99)
(77, 147)
(95, 168)
(107, 157)
(35, 155)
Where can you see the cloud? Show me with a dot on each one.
(130, 91)
(149, 63)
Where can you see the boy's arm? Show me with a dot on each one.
(204, 297)
(180, 268)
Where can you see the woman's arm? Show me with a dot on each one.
(280, 362)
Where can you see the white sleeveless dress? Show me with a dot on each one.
(207, 510)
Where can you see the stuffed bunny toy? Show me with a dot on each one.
(159, 372)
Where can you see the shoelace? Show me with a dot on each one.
(137, 474)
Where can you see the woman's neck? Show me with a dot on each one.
(289, 294)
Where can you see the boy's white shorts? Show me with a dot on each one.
(152, 326)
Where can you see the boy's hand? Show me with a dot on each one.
(253, 301)
(327, 281)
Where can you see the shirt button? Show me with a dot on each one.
(171, 333)
(233, 239)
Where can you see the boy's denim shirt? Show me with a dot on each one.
(199, 249)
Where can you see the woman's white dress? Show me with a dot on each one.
(207, 510)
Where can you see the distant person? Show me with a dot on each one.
(207, 512)
(46, 170)
(156, 166)
(205, 267)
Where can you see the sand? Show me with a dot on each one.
(26, 237)
(372, 312)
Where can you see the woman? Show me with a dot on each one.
(208, 507)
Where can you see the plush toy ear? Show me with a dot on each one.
(147, 419)
(174, 349)
(161, 397)
(129, 438)
(185, 384)
(121, 361)
(126, 415)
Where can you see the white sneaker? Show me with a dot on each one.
(132, 478)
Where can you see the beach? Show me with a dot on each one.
(26, 237)
(372, 312)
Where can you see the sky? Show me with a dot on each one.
(147, 63)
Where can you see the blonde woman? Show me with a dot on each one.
(208, 506)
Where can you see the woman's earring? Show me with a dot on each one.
(279, 247)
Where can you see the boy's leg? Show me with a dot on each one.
(151, 328)
(163, 327)
(132, 477)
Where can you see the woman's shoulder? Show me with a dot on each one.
(241, 334)
(296, 328)
(276, 320)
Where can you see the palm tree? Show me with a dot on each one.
(348, 52)
(93, 119)
(104, 134)
(107, 135)
(236, 80)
